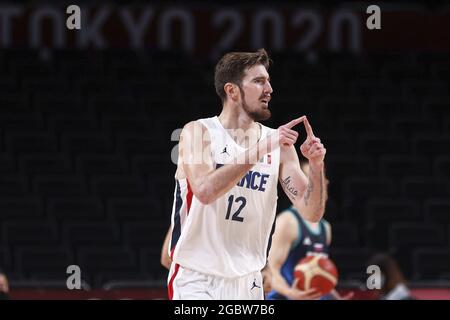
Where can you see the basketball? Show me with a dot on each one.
(317, 272)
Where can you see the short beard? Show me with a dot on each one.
(262, 115)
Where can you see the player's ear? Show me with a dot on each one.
(231, 90)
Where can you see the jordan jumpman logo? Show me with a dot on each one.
(254, 285)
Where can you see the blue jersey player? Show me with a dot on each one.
(294, 239)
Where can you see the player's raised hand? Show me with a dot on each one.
(312, 148)
(287, 136)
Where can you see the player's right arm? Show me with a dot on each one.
(206, 182)
(286, 232)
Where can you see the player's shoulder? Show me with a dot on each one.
(199, 130)
(194, 125)
(287, 223)
(286, 215)
(266, 128)
(200, 123)
(325, 223)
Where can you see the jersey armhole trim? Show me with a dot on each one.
(210, 130)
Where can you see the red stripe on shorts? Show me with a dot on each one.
(170, 287)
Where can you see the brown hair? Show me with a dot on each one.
(232, 66)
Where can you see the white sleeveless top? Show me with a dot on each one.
(229, 237)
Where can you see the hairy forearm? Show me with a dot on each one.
(219, 181)
(313, 200)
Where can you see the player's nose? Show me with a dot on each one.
(268, 88)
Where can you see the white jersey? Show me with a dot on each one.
(229, 237)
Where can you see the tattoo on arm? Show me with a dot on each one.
(290, 190)
(309, 189)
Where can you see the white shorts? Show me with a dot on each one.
(186, 284)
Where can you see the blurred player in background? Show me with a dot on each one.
(226, 186)
(393, 283)
(4, 286)
(294, 239)
(165, 258)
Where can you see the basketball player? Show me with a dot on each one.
(226, 186)
(295, 238)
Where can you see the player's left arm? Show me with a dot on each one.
(165, 258)
(307, 194)
(267, 278)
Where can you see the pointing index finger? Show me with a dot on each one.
(294, 122)
(308, 128)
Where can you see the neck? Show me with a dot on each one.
(312, 224)
(235, 117)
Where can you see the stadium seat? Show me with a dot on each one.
(431, 144)
(21, 207)
(59, 185)
(13, 184)
(32, 259)
(132, 208)
(109, 185)
(351, 262)
(29, 232)
(344, 234)
(21, 121)
(381, 144)
(88, 231)
(423, 187)
(97, 260)
(431, 263)
(144, 233)
(441, 166)
(78, 122)
(30, 142)
(101, 164)
(7, 163)
(74, 208)
(41, 163)
(86, 143)
(5, 258)
(437, 210)
(404, 165)
(407, 234)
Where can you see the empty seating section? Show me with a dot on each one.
(86, 175)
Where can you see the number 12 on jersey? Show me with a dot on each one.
(242, 202)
